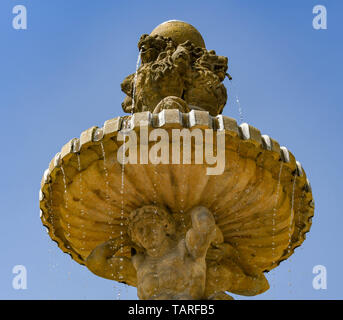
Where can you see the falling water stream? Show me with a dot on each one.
(273, 219)
(155, 275)
(290, 231)
(65, 198)
(134, 83)
(126, 127)
(65, 187)
(53, 263)
(122, 189)
(83, 234)
(237, 101)
(65, 205)
(182, 193)
(107, 189)
(124, 131)
(81, 201)
(107, 183)
(215, 218)
(292, 214)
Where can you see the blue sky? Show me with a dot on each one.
(62, 75)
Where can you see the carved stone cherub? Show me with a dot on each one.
(185, 72)
(166, 265)
(171, 268)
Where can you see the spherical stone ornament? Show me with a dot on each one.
(179, 32)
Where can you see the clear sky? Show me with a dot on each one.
(62, 75)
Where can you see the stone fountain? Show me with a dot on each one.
(127, 201)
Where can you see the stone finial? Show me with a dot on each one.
(179, 32)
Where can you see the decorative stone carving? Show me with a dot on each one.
(184, 70)
(169, 265)
(172, 102)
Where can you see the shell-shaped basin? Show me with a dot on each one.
(262, 201)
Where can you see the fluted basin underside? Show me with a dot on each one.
(262, 202)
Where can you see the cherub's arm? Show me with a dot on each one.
(202, 233)
(226, 272)
(227, 275)
(103, 262)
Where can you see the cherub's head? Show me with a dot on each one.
(150, 227)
